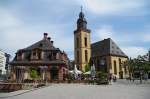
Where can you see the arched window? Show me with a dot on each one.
(85, 41)
(78, 57)
(120, 67)
(86, 56)
(115, 68)
(77, 42)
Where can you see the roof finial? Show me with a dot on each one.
(81, 8)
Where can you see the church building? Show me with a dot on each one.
(105, 54)
(108, 57)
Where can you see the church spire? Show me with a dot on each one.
(81, 22)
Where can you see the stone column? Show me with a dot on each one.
(47, 73)
(26, 74)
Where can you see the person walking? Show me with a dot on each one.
(145, 77)
(110, 78)
(141, 75)
(114, 78)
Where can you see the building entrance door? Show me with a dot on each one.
(121, 74)
(54, 73)
(18, 75)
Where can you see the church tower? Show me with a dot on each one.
(82, 44)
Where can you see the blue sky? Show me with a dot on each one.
(23, 22)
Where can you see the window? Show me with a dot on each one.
(120, 64)
(115, 68)
(78, 57)
(40, 45)
(39, 55)
(49, 56)
(86, 56)
(34, 53)
(19, 56)
(77, 42)
(125, 68)
(54, 56)
(85, 41)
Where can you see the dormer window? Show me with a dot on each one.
(36, 54)
(39, 55)
(19, 56)
(40, 45)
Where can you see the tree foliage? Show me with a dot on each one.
(34, 74)
(87, 67)
(139, 63)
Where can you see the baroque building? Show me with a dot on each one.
(43, 57)
(82, 47)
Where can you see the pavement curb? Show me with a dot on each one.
(24, 92)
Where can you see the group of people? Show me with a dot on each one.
(142, 76)
(112, 77)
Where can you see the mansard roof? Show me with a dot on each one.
(106, 47)
(44, 44)
(51, 55)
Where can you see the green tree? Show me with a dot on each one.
(87, 67)
(34, 74)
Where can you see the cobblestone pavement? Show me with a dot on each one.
(119, 90)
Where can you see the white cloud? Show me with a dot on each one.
(133, 51)
(24, 36)
(7, 19)
(17, 35)
(115, 7)
(126, 39)
(103, 32)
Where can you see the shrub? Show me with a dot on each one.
(87, 67)
(101, 75)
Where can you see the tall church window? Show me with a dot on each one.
(78, 57)
(120, 64)
(85, 41)
(77, 42)
(115, 68)
(86, 56)
(125, 68)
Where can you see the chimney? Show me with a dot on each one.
(49, 38)
(45, 36)
(52, 42)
